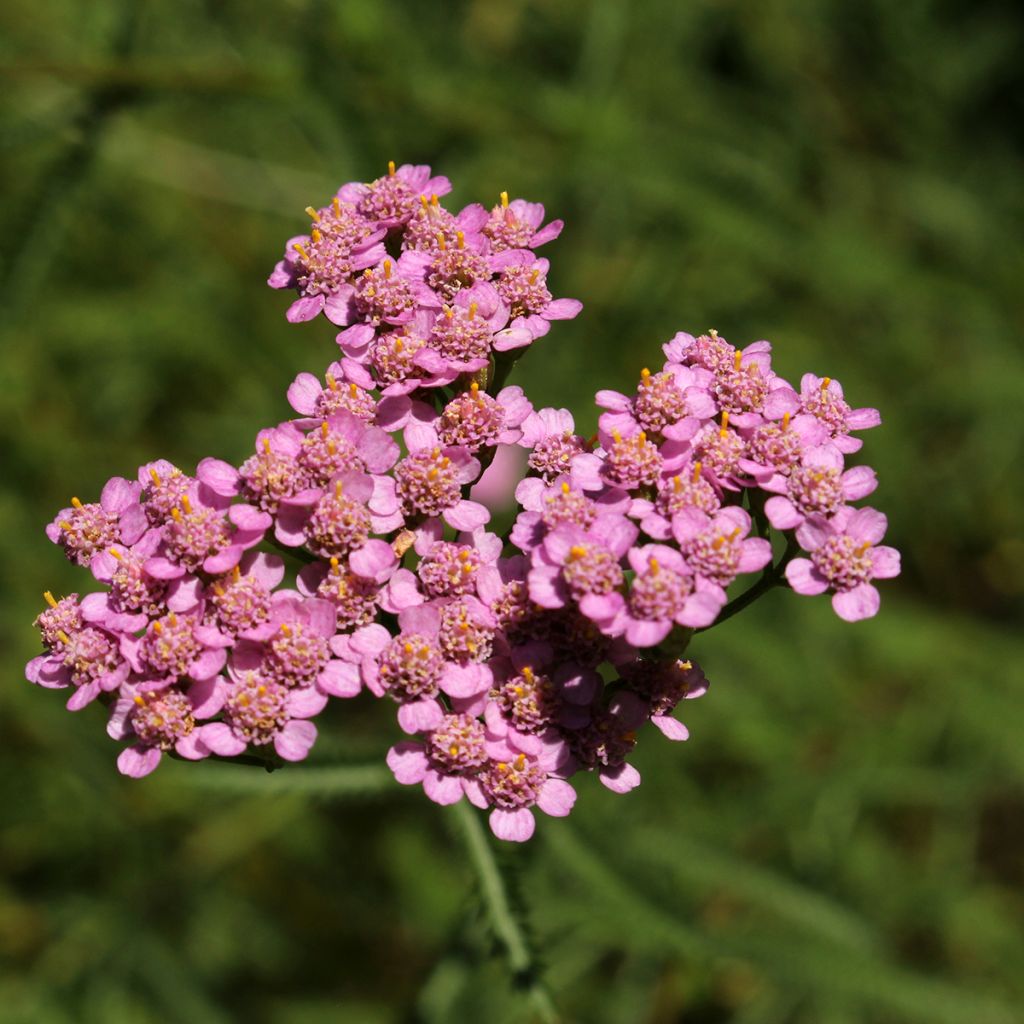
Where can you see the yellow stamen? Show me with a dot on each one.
(323, 429)
(398, 345)
(387, 270)
(565, 486)
(261, 689)
(353, 390)
(158, 628)
(504, 200)
(316, 235)
(862, 548)
(76, 503)
(64, 638)
(460, 237)
(407, 647)
(677, 483)
(825, 381)
(725, 423)
(172, 619)
(441, 243)
(312, 213)
(337, 488)
(218, 590)
(336, 203)
(65, 525)
(236, 573)
(577, 551)
(186, 504)
(435, 453)
(176, 514)
(391, 168)
(298, 247)
(334, 562)
(472, 310)
(616, 436)
(785, 421)
(737, 359)
(266, 445)
(432, 473)
(475, 388)
(154, 476)
(453, 750)
(534, 275)
(423, 202)
(527, 673)
(433, 200)
(286, 629)
(652, 564)
(684, 665)
(643, 436)
(520, 762)
(114, 553)
(697, 468)
(50, 599)
(645, 376)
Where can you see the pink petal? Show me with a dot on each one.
(137, 761)
(556, 798)
(408, 762)
(515, 826)
(292, 743)
(859, 603)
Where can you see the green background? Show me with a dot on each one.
(842, 840)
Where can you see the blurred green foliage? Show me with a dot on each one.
(842, 840)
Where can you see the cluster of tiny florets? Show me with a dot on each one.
(514, 662)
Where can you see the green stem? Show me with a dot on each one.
(521, 962)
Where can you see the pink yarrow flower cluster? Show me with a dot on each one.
(347, 556)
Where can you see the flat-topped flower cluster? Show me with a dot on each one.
(347, 554)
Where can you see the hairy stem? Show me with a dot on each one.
(507, 929)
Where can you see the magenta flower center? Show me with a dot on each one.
(193, 534)
(383, 296)
(633, 461)
(269, 477)
(457, 745)
(133, 589)
(552, 456)
(591, 569)
(349, 397)
(89, 654)
(461, 637)
(426, 483)
(690, 491)
(567, 507)
(59, 622)
(473, 419)
(324, 454)
(391, 356)
(455, 268)
(528, 701)
(711, 352)
(338, 525)
(525, 289)
(410, 668)
(740, 388)
(160, 719)
(512, 784)
(297, 654)
(604, 741)
(658, 593)
(461, 334)
(774, 445)
(255, 708)
(86, 529)
(816, 490)
(829, 409)
(388, 199)
(353, 597)
(715, 556)
(169, 646)
(507, 231)
(164, 493)
(659, 401)
(240, 602)
(719, 449)
(449, 569)
(843, 562)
